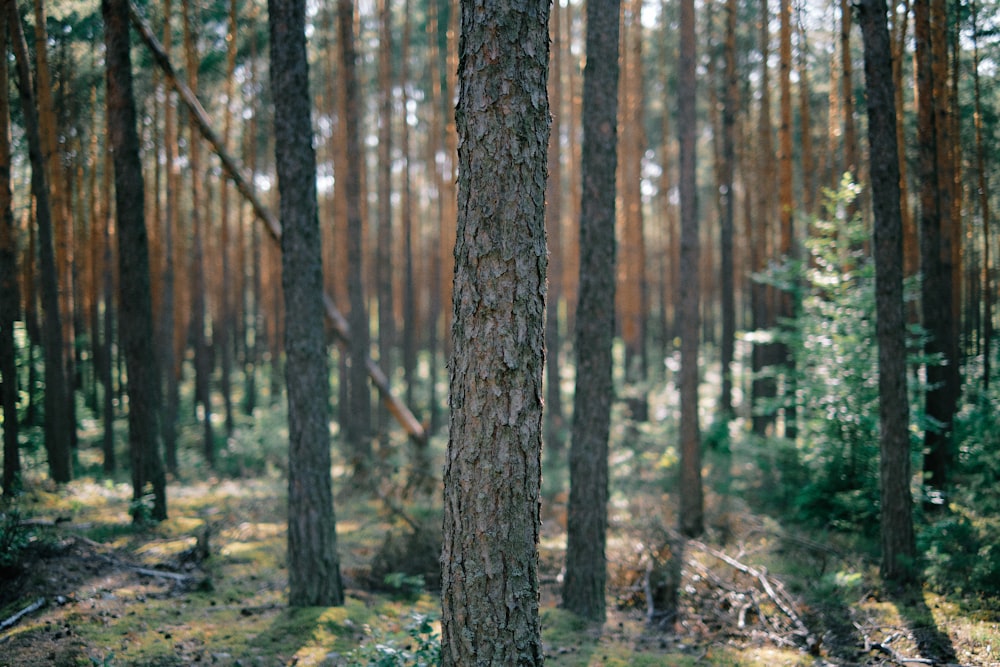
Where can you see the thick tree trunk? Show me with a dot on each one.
(313, 565)
(586, 568)
(898, 550)
(492, 472)
(57, 418)
(136, 316)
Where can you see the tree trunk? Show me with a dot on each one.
(384, 263)
(136, 317)
(898, 550)
(170, 364)
(984, 206)
(491, 512)
(358, 419)
(587, 520)
(202, 362)
(691, 502)
(786, 206)
(554, 440)
(228, 329)
(935, 253)
(313, 565)
(9, 293)
(57, 417)
(729, 108)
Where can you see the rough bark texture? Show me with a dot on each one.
(57, 417)
(9, 294)
(898, 551)
(691, 502)
(135, 320)
(586, 569)
(313, 566)
(493, 467)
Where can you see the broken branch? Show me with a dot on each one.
(397, 408)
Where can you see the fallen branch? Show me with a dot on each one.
(176, 576)
(396, 407)
(894, 655)
(31, 608)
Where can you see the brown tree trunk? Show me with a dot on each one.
(587, 520)
(358, 423)
(58, 427)
(554, 419)
(170, 361)
(984, 205)
(313, 564)
(384, 263)
(935, 247)
(136, 315)
(491, 512)
(898, 548)
(9, 292)
(691, 519)
(727, 186)
(226, 342)
(786, 208)
(202, 362)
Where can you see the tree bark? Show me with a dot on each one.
(935, 251)
(384, 264)
(587, 520)
(9, 292)
(727, 345)
(358, 422)
(57, 425)
(492, 472)
(135, 321)
(313, 565)
(898, 550)
(691, 500)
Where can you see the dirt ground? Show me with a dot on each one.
(207, 588)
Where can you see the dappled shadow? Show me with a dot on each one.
(932, 642)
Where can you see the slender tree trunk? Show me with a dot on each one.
(764, 386)
(169, 363)
(491, 516)
(984, 204)
(586, 568)
(358, 423)
(437, 251)
(226, 342)
(847, 93)
(57, 418)
(384, 263)
(313, 564)
(935, 251)
(729, 109)
(62, 225)
(9, 292)
(554, 440)
(136, 317)
(202, 362)
(691, 518)
(106, 371)
(898, 549)
(786, 206)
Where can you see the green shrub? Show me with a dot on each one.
(420, 648)
(15, 536)
(830, 472)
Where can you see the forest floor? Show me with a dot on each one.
(208, 586)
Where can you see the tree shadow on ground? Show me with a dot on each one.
(932, 643)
